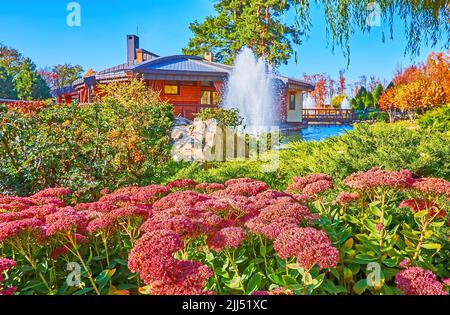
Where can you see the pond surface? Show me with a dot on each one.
(316, 133)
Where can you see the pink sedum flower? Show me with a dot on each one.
(418, 281)
(310, 246)
(344, 198)
(182, 184)
(230, 237)
(433, 186)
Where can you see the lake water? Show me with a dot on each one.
(316, 133)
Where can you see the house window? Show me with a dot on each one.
(207, 83)
(172, 88)
(291, 101)
(210, 98)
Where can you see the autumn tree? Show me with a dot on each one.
(387, 103)
(420, 87)
(321, 90)
(60, 76)
(342, 80)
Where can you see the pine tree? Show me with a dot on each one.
(257, 24)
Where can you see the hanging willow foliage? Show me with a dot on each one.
(426, 21)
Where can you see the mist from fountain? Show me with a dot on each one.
(250, 89)
(345, 104)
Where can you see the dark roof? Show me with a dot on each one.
(179, 67)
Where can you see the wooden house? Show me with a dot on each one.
(190, 83)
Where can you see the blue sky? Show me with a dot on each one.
(38, 30)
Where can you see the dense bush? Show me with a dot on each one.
(224, 117)
(124, 139)
(385, 233)
(437, 119)
(393, 146)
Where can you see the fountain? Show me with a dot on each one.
(309, 102)
(345, 104)
(250, 89)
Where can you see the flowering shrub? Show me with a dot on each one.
(239, 237)
(124, 140)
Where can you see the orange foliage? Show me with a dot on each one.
(321, 88)
(420, 87)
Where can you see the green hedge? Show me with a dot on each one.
(391, 146)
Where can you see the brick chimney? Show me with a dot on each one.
(132, 46)
(208, 56)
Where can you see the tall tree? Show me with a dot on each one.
(29, 84)
(60, 76)
(7, 87)
(257, 24)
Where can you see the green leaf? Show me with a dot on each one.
(291, 283)
(263, 250)
(432, 246)
(254, 283)
(360, 287)
(348, 274)
(248, 272)
(365, 259)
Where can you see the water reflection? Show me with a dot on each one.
(316, 133)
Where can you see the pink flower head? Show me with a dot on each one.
(299, 183)
(214, 205)
(52, 193)
(309, 245)
(418, 281)
(345, 198)
(186, 278)
(245, 187)
(179, 199)
(286, 209)
(14, 204)
(273, 228)
(269, 197)
(376, 177)
(8, 291)
(152, 258)
(66, 221)
(317, 188)
(12, 229)
(182, 184)
(6, 264)
(230, 237)
(433, 186)
(209, 187)
(446, 281)
(181, 225)
(148, 194)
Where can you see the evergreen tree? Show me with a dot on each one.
(7, 87)
(257, 24)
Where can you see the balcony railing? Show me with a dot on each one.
(329, 115)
